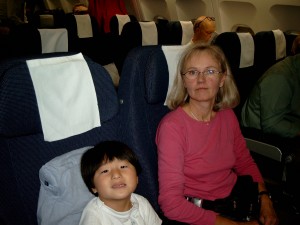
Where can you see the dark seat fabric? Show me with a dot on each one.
(22, 147)
(115, 24)
(142, 92)
(116, 46)
(132, 36)
(95, 47)
(176, 32)
(24, 40)
(265, 51)
(245, 77)
(290, 37)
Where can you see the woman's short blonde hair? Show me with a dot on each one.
(227, 96)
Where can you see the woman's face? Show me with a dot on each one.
(203, 87)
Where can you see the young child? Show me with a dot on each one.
(110, 171)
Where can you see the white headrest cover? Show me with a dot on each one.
(247, 49)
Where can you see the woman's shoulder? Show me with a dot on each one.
(173, 115)
(227, 112)
(229, 116)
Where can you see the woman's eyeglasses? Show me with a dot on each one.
(193, 74)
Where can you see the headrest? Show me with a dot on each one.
(61, 179)
(65, 95)
(247, 50)
(122, 20)
(46, 20)
(156, 76)
(54, 40)
(84, 26)
(187, 31)
(269, 47)
(230, 43)
(149, 33)
(160, 71)
(280, 44)
(19, 113)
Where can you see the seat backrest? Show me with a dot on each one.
(82, 31)
(117, 23)
(239, 51)
(180, 32)
(136, 34)
(49, 19)
(141, 111)
(142, 91)
(270, 47)
(54, 40)
(290, 37)
(24, 40)
(23, 148)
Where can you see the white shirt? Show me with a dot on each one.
(141, 213)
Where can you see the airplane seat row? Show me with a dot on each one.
(142, 90)
(129, 33)
(73, 106)
(78, 33)
(249, 57)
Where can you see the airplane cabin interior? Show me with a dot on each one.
(128, 50)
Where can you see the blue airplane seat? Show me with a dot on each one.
(136, 34)
(24, 40)
(142, 91)
(117, 23)
(180, 32)
(23, 148)
(270, 47)
(146, 78)
(239, 51)
(85, 36)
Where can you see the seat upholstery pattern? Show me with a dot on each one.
(265, 51)
(245, 77)
(179, 35)
(142, 92)
(23, 149)
(133, 36)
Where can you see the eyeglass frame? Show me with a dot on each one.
(205, 73)
(210, 18)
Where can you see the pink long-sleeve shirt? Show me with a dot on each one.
(199, 159)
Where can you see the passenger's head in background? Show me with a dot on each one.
(204, 28)
(296, 46)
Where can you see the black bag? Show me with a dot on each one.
(241, 205)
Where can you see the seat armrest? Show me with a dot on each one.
(264, 149)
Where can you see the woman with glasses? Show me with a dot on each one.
(204, 30)
(201, 151)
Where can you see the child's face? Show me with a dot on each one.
(115, 180)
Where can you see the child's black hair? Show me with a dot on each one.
(102, 153)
